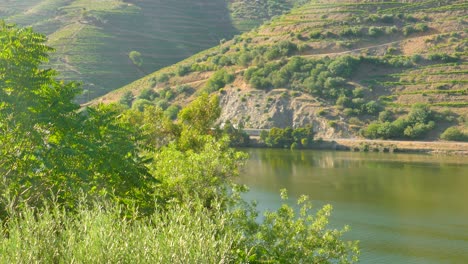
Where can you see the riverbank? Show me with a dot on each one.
(459, 148)
(366, 145)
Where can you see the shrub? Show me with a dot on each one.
(421, 27)
(163, 77)
(172, 111)
(218, 80)
(136, 58)
(418, 130)
(126, 99)
(183, 70)
(140, 104)
(372, 131)
(454, 134)
(385, 116)
(343, 66)
(387, 19)
(284, 138)
(372, 107)
(148, 94)
(315, 35)
(375, 31)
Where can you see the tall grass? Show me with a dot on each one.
(184, 234)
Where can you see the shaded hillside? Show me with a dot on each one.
(340, 65)
(94, 38)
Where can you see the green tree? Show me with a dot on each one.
(48, 150)
(136, 58)
(197, 119)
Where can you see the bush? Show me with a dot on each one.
(454, 134)
(126, 99)
(218, 80)
(385, 116)
(183, 70)
(315, 35)
(163, 77)
(172, 111)
(343, 66)
(375, 31)
(140, 104)
(415, 125)
(136, 58)
(148, 94)
(284, 138)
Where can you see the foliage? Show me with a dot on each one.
(177, 233)
(237, 136)
(285, 236)
(47, 149)
(284, 138)
(140, 104)
(126, 99)
(454, 134)
(136, 58)
(80, 186)
(197, 119)
(148, 94)
(183, 70)
(172, 111)
(418, 122)
(218, 80)
(182, 233)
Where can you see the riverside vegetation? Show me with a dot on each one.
(108, 184)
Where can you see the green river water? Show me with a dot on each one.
(403, 208)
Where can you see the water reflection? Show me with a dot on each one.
(403, 207)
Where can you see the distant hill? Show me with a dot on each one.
(94, 39)
(339, 65)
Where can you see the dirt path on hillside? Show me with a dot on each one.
(364, 48)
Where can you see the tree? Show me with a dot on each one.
(48, 150)
(197, 119)
(136, 58)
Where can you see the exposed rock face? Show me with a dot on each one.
(260, 109)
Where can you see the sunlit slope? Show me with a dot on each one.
(336, 64)
(93, 39)
(247, 15)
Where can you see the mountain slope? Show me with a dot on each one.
(337, 65)
(95, 38)
(247, 14)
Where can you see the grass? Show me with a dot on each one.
(101, 235)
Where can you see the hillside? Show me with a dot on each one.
(93, 39)
(246, 14)
(339, 65)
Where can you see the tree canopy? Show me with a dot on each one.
(50, 150)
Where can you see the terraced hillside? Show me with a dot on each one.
(350, 68)
(94, 39)
(247, 14)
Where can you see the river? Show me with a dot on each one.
(403, 208)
